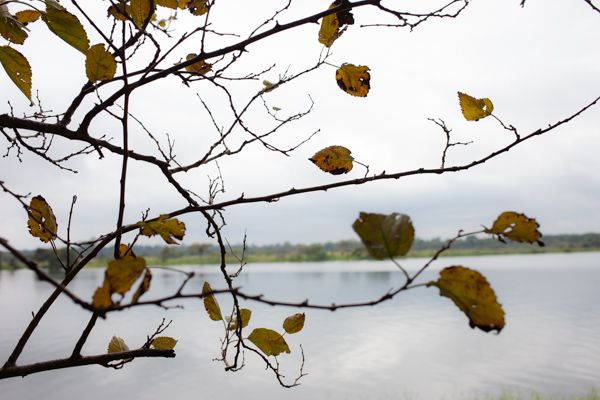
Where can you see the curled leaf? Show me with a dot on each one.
(120, 275)
(333, 159)
(268, 341)
(119, 11)
(516, 227)
(210, 304)
(474, 109)
(294, 323)
(164, 342)
(18, 69)
(354, 80)
(42, 222)
(117, 345)
(144, 286)
(472, 293)
(385, 236)
(165, 227)
(100, 65)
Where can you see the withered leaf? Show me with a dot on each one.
(42, 222)
(333, 159)
(474, 109)
(516, 227)
(354, 80)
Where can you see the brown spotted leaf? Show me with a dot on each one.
(474, 109)
(196, 7)
(516, 227)
(385, 236)
(334, 25)
(472, 293)
(354, 80)
(42, 222)
(268, 341)
(294, 323)
(333, 159)
(211, 305)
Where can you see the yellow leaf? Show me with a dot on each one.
(118, 10)
(516, 227)
(474, 109)
(354, 80)
(125, 251)
(11, 28)
(330, 25)
(122, 273)
(385, 236)
(200, 67)
(196, 7)
(18, 69)
(42, 222)
(164, 342)
(101, 298)
(67, 27)
(27, 16)
(100, 65)
(471, 292)
(268, 341)
(211, 305)
(294, 323)
(245, 314)
(117, 345)
(144, 286)
(139, 11)
(166, 228)
(172, 4)
(333, 159)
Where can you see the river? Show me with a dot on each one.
(416, 346)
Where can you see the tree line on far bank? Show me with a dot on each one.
(206, 253)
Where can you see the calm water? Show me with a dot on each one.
(418, 345)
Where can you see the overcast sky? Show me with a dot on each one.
(538, 65)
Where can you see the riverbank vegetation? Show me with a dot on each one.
(205, 253)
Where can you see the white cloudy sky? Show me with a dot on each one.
(538, 64)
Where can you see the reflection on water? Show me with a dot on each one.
(418, 344)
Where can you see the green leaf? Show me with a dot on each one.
(245, 314)
(385, 236)
(42, 222)
(166, 228)
(100, 64)
(11, 28)
(294, 323)
(117, 345)
(139, 11)
(516, 227)
(211, 305)
(18, 69)
(268, 341)
(472, 293)
(67, 27)
(164, 342)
